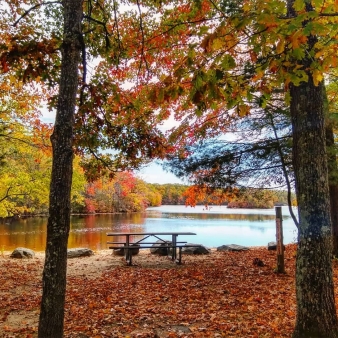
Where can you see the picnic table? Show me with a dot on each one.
(128, 244)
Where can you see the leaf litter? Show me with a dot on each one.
(223, 294)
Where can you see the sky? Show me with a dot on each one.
(154, 173)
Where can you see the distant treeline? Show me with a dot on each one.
(125, 192)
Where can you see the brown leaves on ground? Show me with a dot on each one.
(224, 294)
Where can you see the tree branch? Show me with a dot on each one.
(33, 8)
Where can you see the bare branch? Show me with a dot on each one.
(33, 8)
(143, 39)
(328, 14)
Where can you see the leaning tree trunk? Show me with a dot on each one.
(55, 268)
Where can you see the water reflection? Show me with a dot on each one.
(213, 227)
(236, 217)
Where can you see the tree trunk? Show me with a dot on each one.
(55, 268)
(316, 311)
(333, 184)
(334, 217)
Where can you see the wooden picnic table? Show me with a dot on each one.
(128, 245)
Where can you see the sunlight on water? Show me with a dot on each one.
(215, 226)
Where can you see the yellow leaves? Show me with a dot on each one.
(246, 6)
(243, 110)
(217, 44)
(280, 46)
(317, 76)
(258, 75)
(219, 39)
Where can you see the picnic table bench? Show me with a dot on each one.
(128, 245)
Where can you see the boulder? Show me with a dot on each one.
(120, 252)
(194, 249)
(161, 248)
(232, 247)
(22, 253)
(79, 252)
(273, 246)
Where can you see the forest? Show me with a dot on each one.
(26, 169)
(249, 88)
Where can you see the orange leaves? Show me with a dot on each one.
(206, 195)
(223, 38)
(219, 295)
(4, 64)
(297, 38)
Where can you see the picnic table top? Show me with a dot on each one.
(149, 233)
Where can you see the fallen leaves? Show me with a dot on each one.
(219, 295)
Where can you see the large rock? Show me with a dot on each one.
(79, 252)
(22, 253)
(195, 249)
(161, 248)
(120, 252)
(273, 246)
(232, 247)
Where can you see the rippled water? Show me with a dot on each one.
(213, 227)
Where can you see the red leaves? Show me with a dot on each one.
(4, 64)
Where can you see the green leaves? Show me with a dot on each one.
(299, 5)
(228, 62)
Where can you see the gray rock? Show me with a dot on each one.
(194, 249)
(79, 252)
(232, 247)
(273, 246)
(120, 252)
(22, 253)
(161, 248)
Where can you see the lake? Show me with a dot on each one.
(214, 227)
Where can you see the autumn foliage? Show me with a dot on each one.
(220, 295)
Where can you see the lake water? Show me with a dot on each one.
(214, 227)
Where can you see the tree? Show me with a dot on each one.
(233, 51)
(24, 151)
(314, 269)
(257, 155)
(52, 55)
(330, 127)
(55, 268)
(123, 193)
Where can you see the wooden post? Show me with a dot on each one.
(279, 238)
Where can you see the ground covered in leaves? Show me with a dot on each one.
(223, 294)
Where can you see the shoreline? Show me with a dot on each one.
(147, 250)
